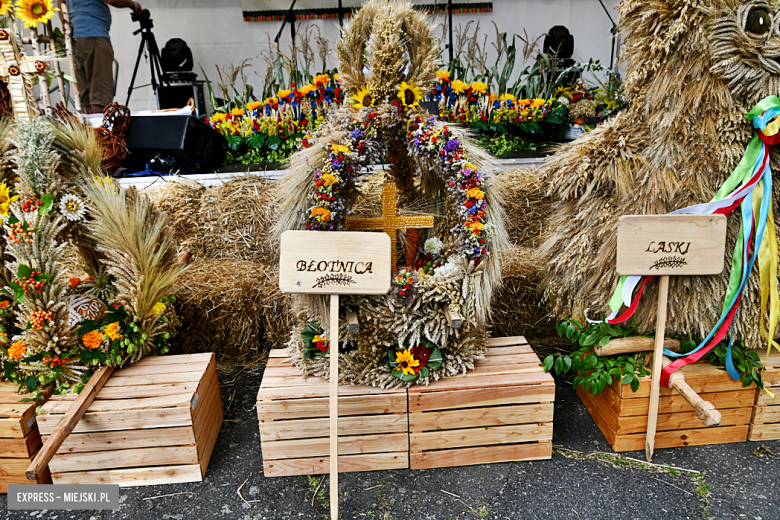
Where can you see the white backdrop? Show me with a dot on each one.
(217, 33)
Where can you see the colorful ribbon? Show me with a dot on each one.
(749, 187)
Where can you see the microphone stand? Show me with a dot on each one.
(614, 31)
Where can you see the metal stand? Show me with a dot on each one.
(149, 43)
(614, 32)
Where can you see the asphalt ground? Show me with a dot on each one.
(584, 480)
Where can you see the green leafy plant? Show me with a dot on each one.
(502, 143)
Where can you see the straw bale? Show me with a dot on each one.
(527, 205)
(180, 199)
(235, 220)
(518, 308)
(232, 307)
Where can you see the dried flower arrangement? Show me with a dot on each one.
(430, 162)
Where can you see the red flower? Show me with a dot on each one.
(421, 354)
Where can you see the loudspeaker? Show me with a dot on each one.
(170, 143)
(178, 94)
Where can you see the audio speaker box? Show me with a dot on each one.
(170, 143)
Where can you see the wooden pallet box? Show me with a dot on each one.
(20, 439)
(294, 426)
(765, 420)
(154, 422)
(621, 414)
(501, 411)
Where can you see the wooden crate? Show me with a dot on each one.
(20, 439)
(154, 422)
(621, 414)
(765, 420)
(501, 411)
(294, 427)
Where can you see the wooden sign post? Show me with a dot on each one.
(668, 245)
(334, 263)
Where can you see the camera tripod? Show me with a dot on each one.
(148, 43)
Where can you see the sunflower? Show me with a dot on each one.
(283, 94)
(33, 12)
(253, 105)
(538, 102)
(406, 362)
(237, 112)
(479, 87)
(363, 98)
(443, 75)
(321, 79)
(6, 199)
(6, 6)
(459, 87)
(409, 94)
(307, 89)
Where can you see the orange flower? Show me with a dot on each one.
(75, 282)
(4, 304)
(523, 102)
(17, 350)
(536, 103)
(92, 339)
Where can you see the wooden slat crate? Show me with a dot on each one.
(294, 427)
(501, 411)
(765, 421)
(20, 439)
(154, 422)
(621, 414)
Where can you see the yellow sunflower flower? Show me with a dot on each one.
(237, 112)
(459, 87)
(308, 88)
(536, 103)
(33, 12)
(363, 98)
(507, 97)
(479, 87)
(6, 6)
(92, 339)
(406, 362)
(219, 116)
(443, 75)
(409, 94)
(253, 105)
(321, 79)
(17, 350)
(282, 94)
(112, 331)
(6, 199)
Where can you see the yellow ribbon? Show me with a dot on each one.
(772, 127)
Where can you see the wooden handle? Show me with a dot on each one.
(68, 422)
(704, 409)
(634, 344)
(352, 321)
(333, 403)
(453, 318)
(655, 388)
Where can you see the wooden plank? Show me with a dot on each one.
(152, 369)
(766, 414)
(480, 455)
(20, 425)
(509, 350)
(123, 405)
(136, 392)
(764, 399)
(127, 439)
(477, 382)
(150, 476)
(419, 401)
(318, 407)
(646, 244)
(482, 371)
(211, 408)
(296, 387)
(506, 341)
(347, 464)
(347, 446)
(439, 440)
(278, 353)
(110, 421)
(764, 432)
(209, 440)
(21, 448)
(43, 478)
(353, 425)
(134, 458)
(677, 403)
(178, 359)
(702, 377)
(511, 359)
(606, 429)
(159, 379)
(475, 417)
(681, 421)
(679, 438)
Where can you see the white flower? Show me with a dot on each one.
(433, 246)
(445, 270)
(72, 208)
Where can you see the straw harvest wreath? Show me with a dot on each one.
(448, 262)
(701, 80)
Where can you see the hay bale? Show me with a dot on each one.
(233, 308)
(518, 308)
(180, 199)
(235, 220)
(527, 205)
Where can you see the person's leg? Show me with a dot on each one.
(81, 55)
(102, 81)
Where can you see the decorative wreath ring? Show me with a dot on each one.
(426, 139)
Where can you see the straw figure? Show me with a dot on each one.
(694, 68)
(436, 193)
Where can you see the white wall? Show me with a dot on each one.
(217, 33)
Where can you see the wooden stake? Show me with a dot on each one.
(334, 406)
(44, 86)
(705, 410)
(68, 422)
(658, 354)
(69, 53)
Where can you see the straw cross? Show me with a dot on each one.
(391, 221)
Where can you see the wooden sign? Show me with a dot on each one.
(669, 245)
(675, 245)
(334, 262)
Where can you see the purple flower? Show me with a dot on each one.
(452, 145)
(356, 133)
